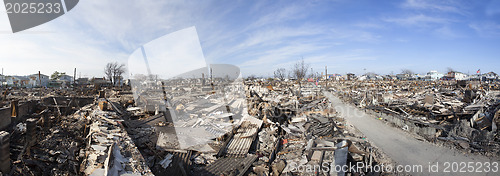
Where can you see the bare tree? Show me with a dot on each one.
(118, 72)
(300, 71)
(108, 71)
(280, 74)
(114, 71)
(407, 71)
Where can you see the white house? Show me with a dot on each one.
(403, 76)
(20, 81)
(490, 76)
(433, 75)
(370, 76)
(456, 75)
(35, 80)
(460, 76)
(66, 80)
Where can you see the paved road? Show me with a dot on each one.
(406, 150)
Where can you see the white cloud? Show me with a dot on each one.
(493, 8)
(446, 32)
(169, 55)
(87, 37)
(284, 14)
(439, 6)
(486, 29)
(354, 35)
(279, 54)
(370, 25)
(419, 20)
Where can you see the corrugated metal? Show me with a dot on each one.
(229, 166)
(181, 163)
(215, 131)
(242, 140)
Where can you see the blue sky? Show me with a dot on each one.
(261, 36)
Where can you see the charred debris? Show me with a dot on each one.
(239, 128)
(459, 114)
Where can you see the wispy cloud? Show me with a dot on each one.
(369, 25)
(419, 20)
(276, 55)
(493, 8)
(279, 35)
(258, 36)
(284, 14)
(30, 53)
(437, 6)
(355, 35)
(486, 29)
(446, 33)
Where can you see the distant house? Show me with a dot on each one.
(433, 75)
(54, 83)
(390, 77)
(491, 76)
(66, 78)
(337, 77)
(17, 81)
(10, 80)
(370, 76)
(403, 76)
(474, 77)
(100, 82)
(328, 76)
(35, 80)
(454, 75)
(82, 81)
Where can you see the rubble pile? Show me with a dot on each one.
(212, 131)
(48, 145)
(184, 127)
(110, 150)
(184, 134)
(268, 138)
(310, 135)
(463, 114)
(17, 93)
(89, 141)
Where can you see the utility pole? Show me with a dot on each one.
(211, 79)
(74, 77)
(202, 79)
(326, 78)
(480, 78)
(39, 78)
(40, 81)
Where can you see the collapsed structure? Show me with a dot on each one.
(461, 114)
(65, 135)
(180, 127)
